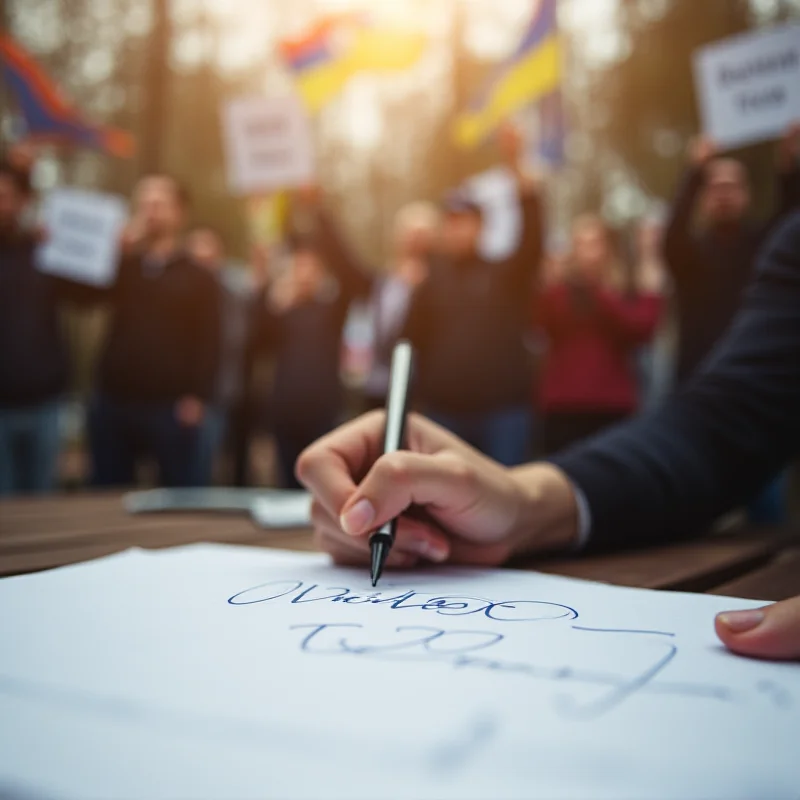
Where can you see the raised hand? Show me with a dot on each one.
(701, 150)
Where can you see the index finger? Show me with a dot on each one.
(332, 467)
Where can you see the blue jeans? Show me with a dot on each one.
(29, 446)
(503, 435)
(120, 433)
(209, 444)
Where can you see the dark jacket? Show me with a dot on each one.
(713, 446)
(710, 269)
(306, 340)
(468, 323)
(33, 356)
(164, 336)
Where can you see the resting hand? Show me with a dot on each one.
(769, 632)
(473, 511)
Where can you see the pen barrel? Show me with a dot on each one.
(398, 396)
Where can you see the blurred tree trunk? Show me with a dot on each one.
(156, 88)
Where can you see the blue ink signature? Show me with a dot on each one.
(459, 649)
(447, 605)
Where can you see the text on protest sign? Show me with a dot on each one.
(267, 144)
(83, 231)
(749, 86)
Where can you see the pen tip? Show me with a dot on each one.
(378, 551)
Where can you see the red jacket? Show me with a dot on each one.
(593, 333)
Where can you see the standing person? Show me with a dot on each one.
(301, 324)
(415, 230)
(33, 355)
(206, 248)
(593, 325)
(711, 267)
(159, 364)
(469, 321)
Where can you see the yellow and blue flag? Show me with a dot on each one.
(337, 47)
(531, 74)
(48, 117)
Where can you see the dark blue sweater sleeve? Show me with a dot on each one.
(710, 448)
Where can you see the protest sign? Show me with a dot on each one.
(748, 87)
(83, 231)
(495, 190)
(267, 144)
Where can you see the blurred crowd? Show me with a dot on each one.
(521, 358)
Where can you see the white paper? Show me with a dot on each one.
(283, 509)
(267, 144)
(83, 233)
(748, 86)
(212, 671)
(496, 192)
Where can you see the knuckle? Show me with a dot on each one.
(393, 469)
(461, 470)
(305, 464)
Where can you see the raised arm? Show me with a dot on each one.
(354, 276)
(633, 319)
(713, 446)
(678, 246)
(526, 261)
(788, 183)
(553, 311)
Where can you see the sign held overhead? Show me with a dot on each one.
(83, 235)
(267, 144)
(748, 87)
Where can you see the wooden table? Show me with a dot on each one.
(37, 534)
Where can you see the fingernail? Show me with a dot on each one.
(742, 621)
(358, 518)
(430, 550)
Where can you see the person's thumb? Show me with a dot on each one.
(769, 632)
(401, 479)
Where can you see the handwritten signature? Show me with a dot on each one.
(448, 605)
(468, 649)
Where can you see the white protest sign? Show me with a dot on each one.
(748, 86)
(83, 232)
(267, 144)
(496, 192)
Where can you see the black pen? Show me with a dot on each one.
(381, 541)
